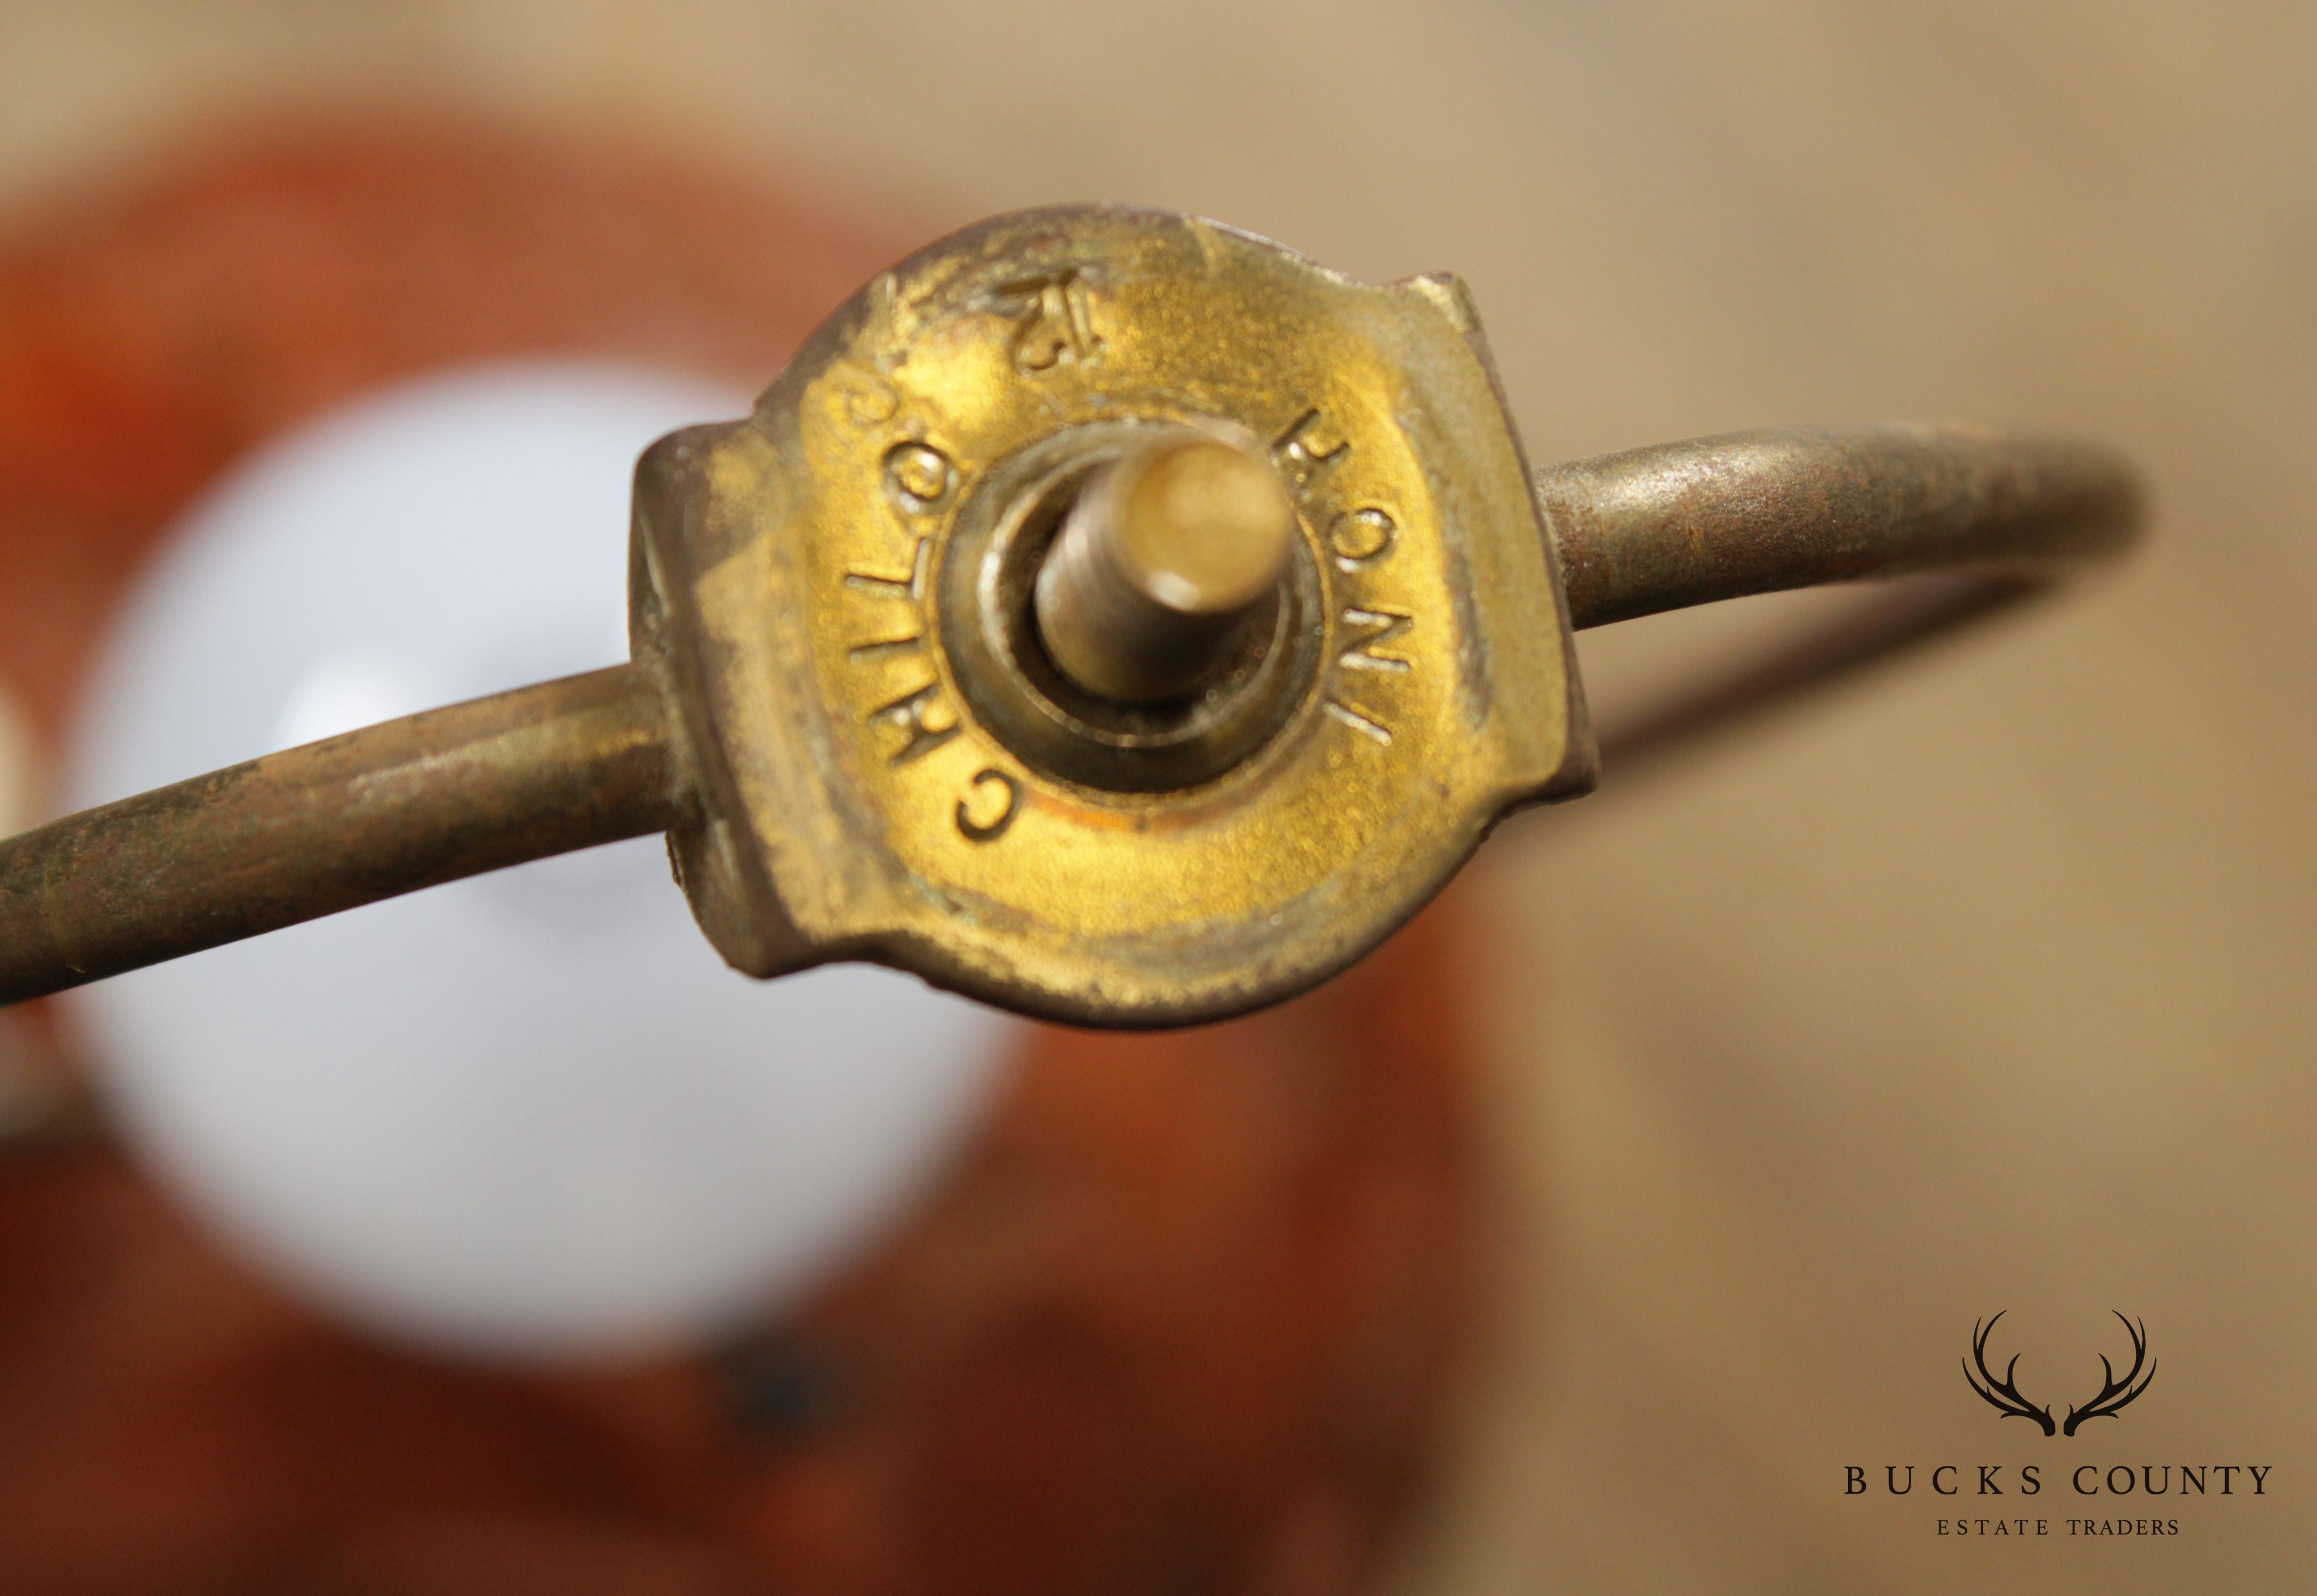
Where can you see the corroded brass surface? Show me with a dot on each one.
(844, 708)
(837, 591)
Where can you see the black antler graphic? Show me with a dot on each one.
(2116, 1393)
(2002, 1394)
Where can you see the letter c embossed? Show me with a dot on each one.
(990, 830)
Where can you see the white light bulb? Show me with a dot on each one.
(531, 1114)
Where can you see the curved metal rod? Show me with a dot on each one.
(310, 831)
(1746, 513)
(586, 759)
(1987, 519)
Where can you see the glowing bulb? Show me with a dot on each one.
(529, 1114)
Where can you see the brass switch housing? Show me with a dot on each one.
(844, 710)
(835, 593)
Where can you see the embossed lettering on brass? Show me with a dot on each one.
(1366, 630)
(1302, 456)
(1358, 538)
(1056, 320)
(919, 477)
(911, 713)
(1009, 804)
(841, 710)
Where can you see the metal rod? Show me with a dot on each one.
(1748, 513)
(1161, 563)
(586, 759)
(310, 831)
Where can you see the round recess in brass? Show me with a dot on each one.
(990, 630)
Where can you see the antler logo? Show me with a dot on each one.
(2004, 1395)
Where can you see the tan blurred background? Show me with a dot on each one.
(1989, 984)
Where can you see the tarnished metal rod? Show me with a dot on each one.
(1747, 512)
(310, 831)
(586, 759)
